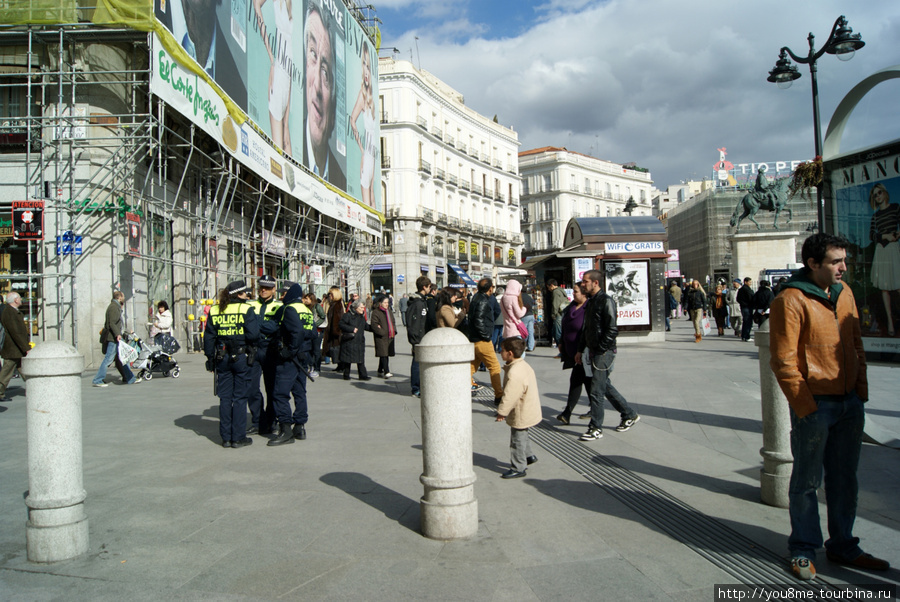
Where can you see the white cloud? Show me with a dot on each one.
(664, 83)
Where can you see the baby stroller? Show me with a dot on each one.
(151, 358)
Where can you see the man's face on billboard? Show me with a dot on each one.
(319, 74)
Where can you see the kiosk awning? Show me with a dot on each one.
(462, 275)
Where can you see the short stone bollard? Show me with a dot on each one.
(775, 475)
(449, 508)
(57, 528)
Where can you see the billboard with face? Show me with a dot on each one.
(302, 71)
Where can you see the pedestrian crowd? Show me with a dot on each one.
(281, 344)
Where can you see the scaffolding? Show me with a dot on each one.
(80, 130)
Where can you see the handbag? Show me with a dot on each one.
(704, 324)
(347, 336)
(169, 344)
(523, 330)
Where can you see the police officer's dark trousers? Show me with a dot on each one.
(290, 380)
(258, 372)
(233, 379)
(268, 363)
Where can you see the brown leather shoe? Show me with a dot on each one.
(863, 561)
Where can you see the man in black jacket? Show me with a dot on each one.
(481, 326)
(420, 319)
(745, 300)
(598, 335)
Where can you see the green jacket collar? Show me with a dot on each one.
(801, 280)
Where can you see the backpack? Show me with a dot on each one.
(420, 318)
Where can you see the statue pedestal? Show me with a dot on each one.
(757, 251)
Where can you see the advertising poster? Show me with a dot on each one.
(580, 265)
(627, 282)
(133, 223)
(28, 220)
(865, 187)
(302, 71)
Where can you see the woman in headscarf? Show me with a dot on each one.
(513, 309)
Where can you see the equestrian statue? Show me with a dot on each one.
(771, 197)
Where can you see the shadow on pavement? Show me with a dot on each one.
(395, 506)
(743, 491)
(683, 524)
(201, 424)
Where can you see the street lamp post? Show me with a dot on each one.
(843, 44)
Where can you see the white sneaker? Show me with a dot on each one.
(101, 385)
(388, 375)
(591, 435)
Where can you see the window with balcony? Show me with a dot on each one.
(546, 183)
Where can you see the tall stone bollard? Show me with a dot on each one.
(57, 528)
(775, 475)
(449, 508)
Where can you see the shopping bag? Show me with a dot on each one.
(704, 324)
(127, 353)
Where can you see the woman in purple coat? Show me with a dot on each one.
(572, 321)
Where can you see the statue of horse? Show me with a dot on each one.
(754, 201)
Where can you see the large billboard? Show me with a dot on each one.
(863, 190)
(302, 71)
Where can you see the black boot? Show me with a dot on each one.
(299, 432)
(285, 435)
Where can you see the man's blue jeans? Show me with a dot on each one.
(602, 367)
(746, 323)
(528, 321)
(829, 438)
(415, 382)
(557, 329)
(112, 355)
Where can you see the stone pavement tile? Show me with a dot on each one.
(171, 563)
(16, 586)
(266, 572)
(412, 579)
(608, 579)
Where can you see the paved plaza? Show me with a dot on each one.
(661, 512)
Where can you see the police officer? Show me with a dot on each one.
(294, 339)
(265, 306)
(231, 330)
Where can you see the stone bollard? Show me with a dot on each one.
(449, 508)
(57, 528)
(775, 475)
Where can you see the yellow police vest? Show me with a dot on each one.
(306, 316)
(229, 323)
(271, 308)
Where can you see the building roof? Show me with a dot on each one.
(617, 226)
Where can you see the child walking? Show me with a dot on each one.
(520, 405)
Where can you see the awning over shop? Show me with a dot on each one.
(531, 262)
(462, 275)
(380, 266)
(439, 270)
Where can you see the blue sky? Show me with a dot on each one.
(663, 83)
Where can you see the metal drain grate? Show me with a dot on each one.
(741, 557)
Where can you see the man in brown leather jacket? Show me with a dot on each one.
(818, 359)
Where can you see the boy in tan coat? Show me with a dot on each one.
(520, 406)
